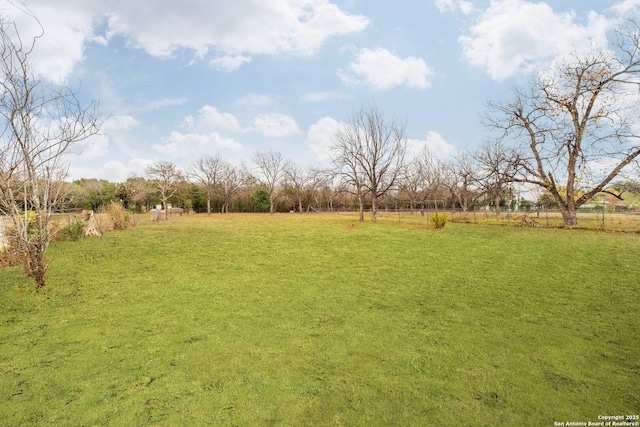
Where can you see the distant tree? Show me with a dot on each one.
(40, 122)
(370, 152)
(231, 181)
(632, 186)
(196, 199)
(270, 167)
(412, 183)
(298, 180)
(164, 177)
(260, 199)
(496, 170)
(207, 172)
(431, 172)
(138, 193)
(98, 192)
(463, 171)
(575, 129)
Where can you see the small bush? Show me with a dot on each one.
(438, 220)
(9, 257)
(71, 232)
(119, 215)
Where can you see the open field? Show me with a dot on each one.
(320, 320)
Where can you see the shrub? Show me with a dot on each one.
(438, 220)
(10, 257)
(71, 232)
(118, 214)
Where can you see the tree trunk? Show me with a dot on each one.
(570, 217)
(374, 208)
(35, 265)
(208, 205)
(361, 202)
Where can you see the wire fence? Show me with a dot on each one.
(621, 220)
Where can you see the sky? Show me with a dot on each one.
(180, 80)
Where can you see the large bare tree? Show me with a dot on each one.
(369, 151)
(576, 127)
(40, 121)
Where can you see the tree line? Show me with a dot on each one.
(274, 184)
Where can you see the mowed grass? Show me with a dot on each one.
(320, 320)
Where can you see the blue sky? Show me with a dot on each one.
(180, 80)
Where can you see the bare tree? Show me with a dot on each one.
(412, 183)
(344, 155)
(496, 170)
(207, 172)
(231, 181)
(461, 173)
(41, 121)
(164, 176)
(576, 128)
(370, 152)
(271, 169)
(298, 180)
(140, 191)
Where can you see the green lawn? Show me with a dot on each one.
(307, 320)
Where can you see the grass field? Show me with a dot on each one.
(290, 319)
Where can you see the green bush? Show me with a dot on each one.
(71, 232)
(438, 220)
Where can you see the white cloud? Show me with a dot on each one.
(382, 70)
(229, 63)
(209, 119)
(275, 125)
(112, 171)
(436, 144)
(97, 146)
(626, 7)
(465, 7)
(204, 135)
(91, 148)
(61, 25)
(241, 26)
(188, 145)
(515, 36)
(321, 136)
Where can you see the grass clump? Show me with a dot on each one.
(438, 220)
(308, 320)
(118, 216)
